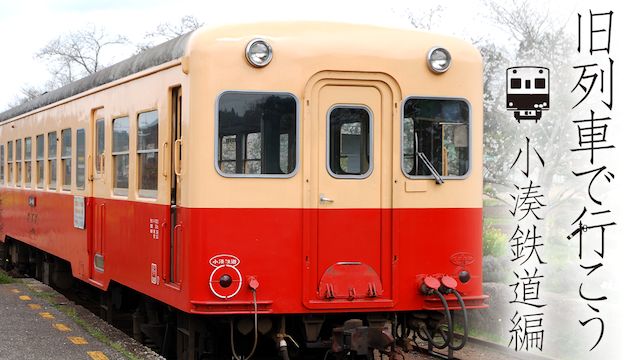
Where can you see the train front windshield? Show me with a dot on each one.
(439, 129)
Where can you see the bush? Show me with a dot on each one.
(494, 241)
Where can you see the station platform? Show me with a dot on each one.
(38, 323)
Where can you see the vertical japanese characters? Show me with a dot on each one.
(593, 107)
(527, 331)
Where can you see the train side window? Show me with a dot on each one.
(28, 147)
(516, 83)
(80, 159)
(100, 146)
(10, 162)
(18, 162)
(2, 164)
(147, 149)
(40, 161)
(65, 156)
(349, 142)
(52, 143)
(120, 153)
(256, 134)
(439, 130)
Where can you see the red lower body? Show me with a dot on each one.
(301, 260)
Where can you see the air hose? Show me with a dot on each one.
(465, 326)
(255, 330)
(424, 333)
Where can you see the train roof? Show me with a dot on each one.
(193, 41)
(165, 52)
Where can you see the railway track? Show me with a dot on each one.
(86, 303)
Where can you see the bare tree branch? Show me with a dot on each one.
(167, 31)
(77, 54)
(426, 19)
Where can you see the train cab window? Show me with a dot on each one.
(435, 134)
(120, 153)
(516, 83)
(80, 160)
(10, 162)
(28, 147)
(349, 142)
(100, 146)
(147, 149)
(256, 134)
(52, 143)
(539, 83)
(19, 162)
(2, 164)
(40, 161)
(65, 156)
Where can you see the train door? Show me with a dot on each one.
(172, 248)
(99, 190)
(351, 134)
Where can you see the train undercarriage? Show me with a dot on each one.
(178, 335)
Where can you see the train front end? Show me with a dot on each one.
(332, 180)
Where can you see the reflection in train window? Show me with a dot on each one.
(65, 156)
(51, 156)
(27, 161)
(80, 159)
(2, 164)
(439, 129)
(256, 134)
(19, 162)
(10, 162)
(100, 146)
(349, 143)
(148, 154)
(40, 161)
(120, 153)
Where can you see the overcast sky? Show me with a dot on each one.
(27, 26)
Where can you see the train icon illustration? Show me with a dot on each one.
(527, 92)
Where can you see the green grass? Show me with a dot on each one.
(95, 333)
(5, 278)
(51, 296)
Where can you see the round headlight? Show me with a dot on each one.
(258, 53)
(439, 60)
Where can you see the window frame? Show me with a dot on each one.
(10, 160)
(146, 194)
(117, 191)
(469, 138)
(41, 160)
(28, 183)
(50, 159)
(64, 158)
(18, 159)
(2, 165)
(76, 157)
(99, 166)
(216, 141)
(328, 142)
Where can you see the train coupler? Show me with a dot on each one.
(353, 340)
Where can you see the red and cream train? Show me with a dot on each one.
(317, 180)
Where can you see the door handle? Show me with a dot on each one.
(165, 145)
(325, 199)
(177, 160)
